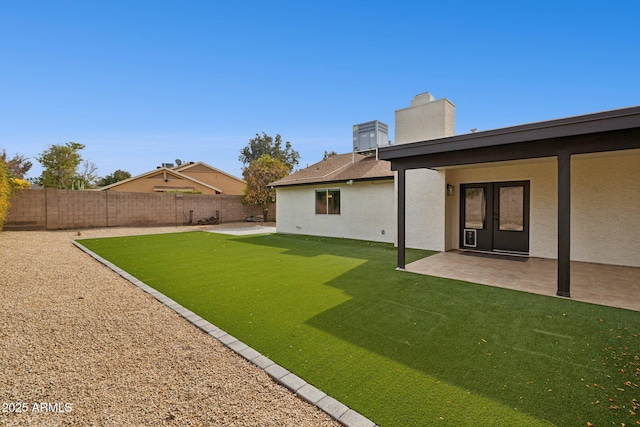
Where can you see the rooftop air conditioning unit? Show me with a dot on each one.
(370, 135)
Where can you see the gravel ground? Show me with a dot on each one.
(79, 345)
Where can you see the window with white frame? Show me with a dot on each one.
(328, 202)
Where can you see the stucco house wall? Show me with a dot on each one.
(605, 208)
(425, 209)
(605, 205)
(544, 205)
(366, 211)
(204, 173)
(149, 183)
(196, 177)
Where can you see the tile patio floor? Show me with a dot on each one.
(610, 285)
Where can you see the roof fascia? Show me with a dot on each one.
(625, 139)
(344, 181)
(190, 165)
(607, 121)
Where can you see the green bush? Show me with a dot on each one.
(5, 192)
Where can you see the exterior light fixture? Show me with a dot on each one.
(450, 190)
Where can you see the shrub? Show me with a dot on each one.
(5, 192)
(19, 184)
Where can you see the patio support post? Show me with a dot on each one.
(401, 217)
(564, 224)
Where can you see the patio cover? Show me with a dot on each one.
(592, 133)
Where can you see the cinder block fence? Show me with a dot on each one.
(52, 209)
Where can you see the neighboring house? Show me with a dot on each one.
(196, 177)
(347, 195)
(202, 172)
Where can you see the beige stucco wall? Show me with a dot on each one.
(228, 184)
(366, 210)
(147, 183)
(605, 205)
(543, 179)
(425, 209)
(605, 208)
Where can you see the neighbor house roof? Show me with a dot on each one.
(164, 171)
(193, 165)
(340, 167)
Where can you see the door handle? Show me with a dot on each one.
(495, 216)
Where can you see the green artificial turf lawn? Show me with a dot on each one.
(400, 348)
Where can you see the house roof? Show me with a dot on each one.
(190, 165)
(160, 170)
(340, 167)
(598, 132)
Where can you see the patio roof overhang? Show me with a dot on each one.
(592, 133)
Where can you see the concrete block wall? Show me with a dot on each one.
(233, 210)
(141, 209)
(53, 209)
(75, 209)
(202, 207)
(27, 210)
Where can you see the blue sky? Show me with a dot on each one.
(145, 82)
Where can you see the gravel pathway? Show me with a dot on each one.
(79, 345)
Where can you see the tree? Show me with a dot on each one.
(86, 177)
(264, 144)
(328, 154)
(59, 164)
(258, 175)
(18, 166)
(117, 176)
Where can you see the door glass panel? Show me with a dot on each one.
(475, 208)
(512, 208)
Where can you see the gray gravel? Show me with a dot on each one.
(79, 345)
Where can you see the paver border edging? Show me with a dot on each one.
(305, 391)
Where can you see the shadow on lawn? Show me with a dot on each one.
(538, 354)
(311, 246)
